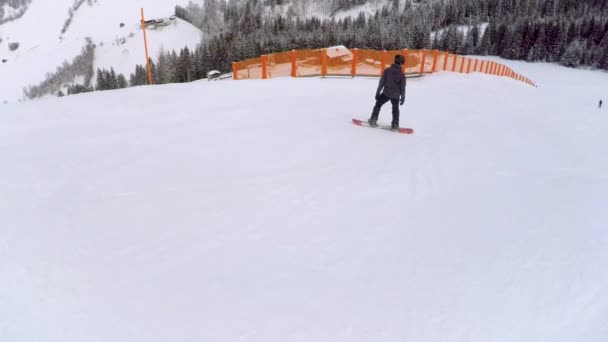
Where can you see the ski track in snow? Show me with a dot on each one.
(255, 210)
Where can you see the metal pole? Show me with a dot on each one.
(143, 28)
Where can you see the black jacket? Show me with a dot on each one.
(392, 83)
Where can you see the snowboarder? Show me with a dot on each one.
(391, 88)
(600, 107)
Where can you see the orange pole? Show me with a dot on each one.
(462, 65)
(435, 57)
(469, 66)
(383, 62)
(323, 62)
(234, 71)
(445, 63)
(405, 53)
(488, 67)
(454, 64)
(422, 65)
(143, 28)
(264, 68)
(475, 67)
(353, 68)
(294, 63)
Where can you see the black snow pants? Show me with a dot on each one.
(382, 100)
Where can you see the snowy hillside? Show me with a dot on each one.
(44, 49)
(11, 10)
(113, 27)
(325, 8)
(265, 215)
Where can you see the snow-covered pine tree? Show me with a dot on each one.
(100, 83)
(483, 48)
(121, 81)
(573, 55)
(112, 80)
(538, 52)
(162, 68)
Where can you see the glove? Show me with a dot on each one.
(377, 97)
(402, 100)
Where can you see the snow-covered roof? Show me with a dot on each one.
(338, 51)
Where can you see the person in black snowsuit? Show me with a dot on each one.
(601, 104)
(391, 88)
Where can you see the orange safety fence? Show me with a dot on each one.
(369, 62)
(339, 61)
(278, 64)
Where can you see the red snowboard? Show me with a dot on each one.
(388, 128)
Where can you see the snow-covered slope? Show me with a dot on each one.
(124, 56)
(11, 10)
(369, 8)
(43, 47)
(324, 8)
(255, 211)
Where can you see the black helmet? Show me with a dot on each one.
(399, 59)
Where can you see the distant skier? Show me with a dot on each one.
(391, 88)
(601, 103)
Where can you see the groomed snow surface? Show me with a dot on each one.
(255, 211)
